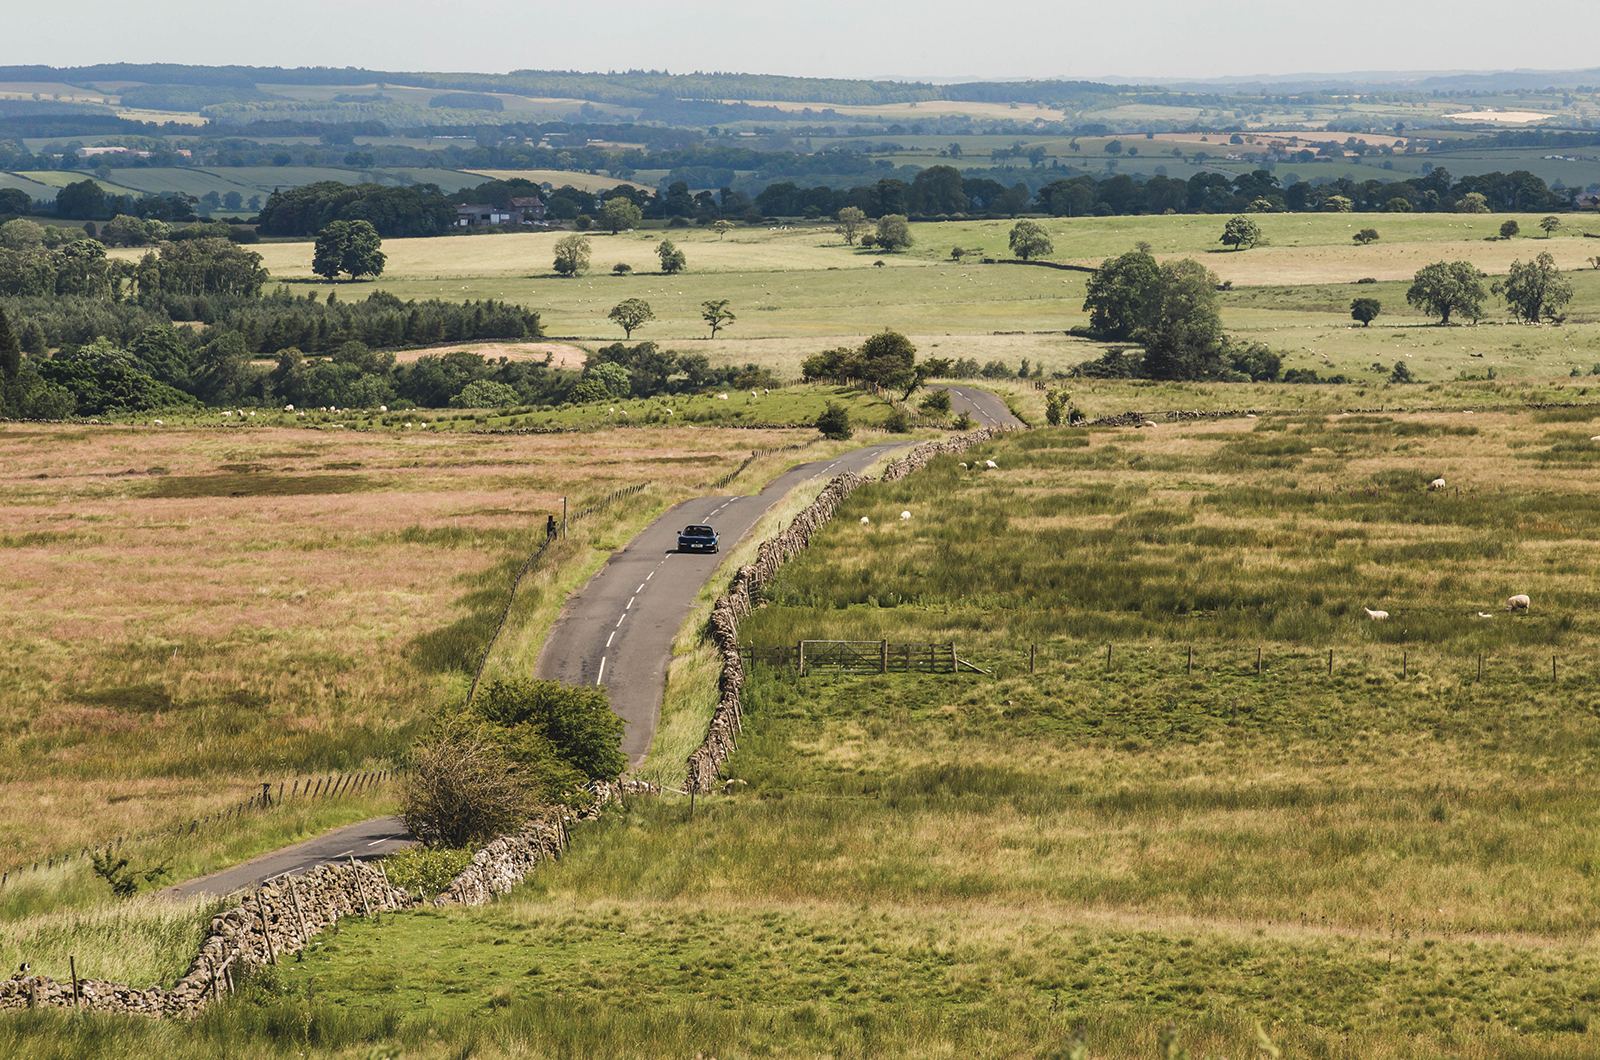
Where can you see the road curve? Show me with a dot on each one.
(617, 630)
(363, 841)
(986, 408)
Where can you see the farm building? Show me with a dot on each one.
(520, 212)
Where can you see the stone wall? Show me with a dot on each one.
(728, 610)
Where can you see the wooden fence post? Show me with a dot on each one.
(360, 888)
(1480, 667)
(883, 656)
(1258, 662)
(1330, 662)
(1108, 656)
(1033, 658)
(72, 963)
(1405, 664)
(1191, 659)
(266, 930)
(299, 914)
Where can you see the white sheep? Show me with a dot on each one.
(1149, 423)
(1375, 615)
(722, 397)
(1436, 484)
(1519, 602)
(383, 408)
(1484, 614)
(905, 515)
(991, 463)
(963, 465)
(288, 408)
(865, 520)
(158, 423)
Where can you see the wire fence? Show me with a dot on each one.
(756, 454)
(332, 786)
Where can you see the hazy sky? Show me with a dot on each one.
(938, 39)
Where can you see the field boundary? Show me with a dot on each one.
(727, 719)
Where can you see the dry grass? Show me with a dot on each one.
(169, 643)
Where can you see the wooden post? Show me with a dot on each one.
(883, 656)
(1191, 658)
(1552, 667)
(299, 914)
(1108, 656)
(1258, 662)
(1330, 662)
(1033, 657)
(360, 889)
(1480, 667)
(800, 664)
(72, 963)
(955, 667)
(692, 786)
(266, 930)
(1405, 664)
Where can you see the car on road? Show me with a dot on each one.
(697, 539)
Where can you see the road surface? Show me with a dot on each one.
(617, 630)
(365, 841)
(986, 408)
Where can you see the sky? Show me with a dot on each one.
(939, 40)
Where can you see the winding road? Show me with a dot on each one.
(617, 630)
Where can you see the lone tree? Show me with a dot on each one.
(1509, 229)
(631, 313)
(1365, 236)
(1030, 240)
(722, 228)
(1365, 310)
(852, 222)
(717, 314)
(572, 255)
(1550, 224)
(672, 259)
(348, 246)
(894, 232)
(619, 214)
(1535, 290)
(835, 421)
(1447, 287)
(1241, 232)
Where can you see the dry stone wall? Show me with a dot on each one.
(705, 763)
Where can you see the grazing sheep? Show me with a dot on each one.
(991, 463)
(722, 397)
(288, 408)
(905, 515)
(1149, 423)
(158, 423)
(1436, 484)
(1375, 615)
(963, 465)
(383, 408)
(865, 520)
(1484, 614)
(1519, 602)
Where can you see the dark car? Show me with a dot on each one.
(697, 539)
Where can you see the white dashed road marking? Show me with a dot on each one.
(602, 675)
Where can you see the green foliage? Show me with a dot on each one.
(717, 314)
(673, 260)
(1550, 225)
(1365, 310)
(897, 422)
(936, 403)
(1509, 229)
(1402, 374)
(886, 358)
(120, 874)
(1028, 239)
(424, 871)
(620, 214)
(1241, 232)
(1446, 288)
(631, 314)
(350, 247)
(577, 722)
(485, 394)
(852, 222)
(1472, 202)
(1120, 294)
(1535, 291)
(1182, 326)
(571, 255)
(413, 210)
(835, 422)
(10, 351)
(1366, 236)
(613, 376)
(893, 233)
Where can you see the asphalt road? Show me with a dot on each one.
(365, 841)
(985, 407)
(617, 630)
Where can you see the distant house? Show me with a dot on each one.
(1587, 201)
(520, 212)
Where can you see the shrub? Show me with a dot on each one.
(426, 872)
(937, 403)
(835, 422)
(462, 790)
(897, 422)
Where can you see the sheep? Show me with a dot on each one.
(1519, 602)
(288, 408)
(991, 463)
(1149, 423)
(1436, 484)
(722, 397)
(963, 465)
(1484, 614)
(1376, 616)
(905, 515)
(865, 520)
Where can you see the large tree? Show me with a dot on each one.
(348, 246)
(717, 314)
(10, 350)
(1182, 330)
(1448, 287)
(572, 255)
(631, 314)
(1030, 240)
(1241, 232)
(894, 232)
(852, 221)
(620, 214)
(673, 260)
(1535, 290)
(81, 201)
(1365, 310)
(1118, 293)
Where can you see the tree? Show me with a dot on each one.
(1182, 332)
(10, 350)
(835, 422)
(572, 255)
(1550, 224)
(620, 213)
(722, 228)
(1241, 232)
(937, 403)
(462, 789)
(852, 220)
(1338, 204)
(1366, 236)
(80, 201)
(1030, 240)
(1449, 287)
(485, 394)
(1509, 229)
(19, 233)
(672, 259)
(348, 246)
(1472, 202)
(894, 232)
(1365, 310)
(1398, 204)
(1535, 290)
(717, 314)
(631, 313)
(1118, 293)
(1402, 374)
